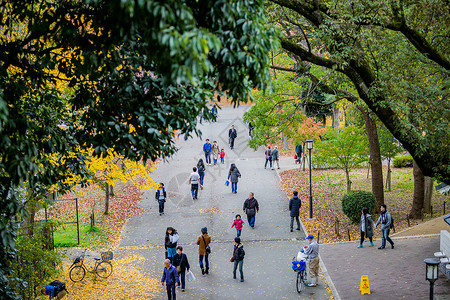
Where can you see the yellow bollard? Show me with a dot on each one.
(364, 286)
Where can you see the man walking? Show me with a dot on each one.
(275, 157)
(161, 196)
(294, 207)
(170, 277)
(207, 147)
(250, 130)
(299, 151)
(312, 250)
(386, 220)
(232, 134)
(251, 207)
(194, 179)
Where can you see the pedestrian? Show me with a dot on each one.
(386, 220)
(238, 258)
(215, 152)
(275, 158)
(251, 207)
(203, 242)
(181, 263)
(55, 290)
(171, 242)
(250, 130)
(268, 154)
(312, 251)
(238, 224)
(222, 156)
(207, 147)
(194, 181)
(366, 227)
(232, 134)
(170, 277)
(294, 207)
(214, 113)
(299, 151)
(233, 177)
(161, 196)
(201, 170)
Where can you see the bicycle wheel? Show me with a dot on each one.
(77, 273)
(104, 269)
(299, 281)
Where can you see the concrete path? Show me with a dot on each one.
(269, 247)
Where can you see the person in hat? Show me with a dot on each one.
(312, 250)
(203, 241)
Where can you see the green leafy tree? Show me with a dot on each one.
(346, 150)
(389, 147)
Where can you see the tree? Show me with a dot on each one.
(392, 53)
(419, 193)
(344, 149)
(389, 149)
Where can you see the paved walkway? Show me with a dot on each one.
(269, 247)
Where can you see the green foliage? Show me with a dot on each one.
(389, 146)
(404, 161)
(354, 201)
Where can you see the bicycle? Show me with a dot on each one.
(299, 266)
(103, 268)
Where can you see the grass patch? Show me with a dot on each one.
(66, 236)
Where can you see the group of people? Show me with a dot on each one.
(272, 157)
(367, 225)
(213, 149)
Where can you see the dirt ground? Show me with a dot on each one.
(433, 226)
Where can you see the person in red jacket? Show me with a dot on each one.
(222, 156)
(238, 224)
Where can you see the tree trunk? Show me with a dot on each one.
(349, 182)
(336, 115)
(388, 178)
(111, 190)
(375, 158)
(428, 193)
(29, 221)
(107, 200)
(419, 186)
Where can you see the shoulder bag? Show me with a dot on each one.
(207, 248)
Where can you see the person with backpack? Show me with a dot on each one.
(268, 154)
(233, 177)
(386, 224)
(366, 227)
(161, 196)
(207, 147)
(201, 170)
(299, 151)
(56, 290)
(238, 258)
(251, 207)
(170, 242)
(204, 250)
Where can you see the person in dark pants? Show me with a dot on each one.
(201, 170)
(251, 207)
(233, 177)
(250, 130)
(203, 241)
(268, 154)
(366, 227)
(161, 196)
(170, 277)
(299, 151)
(207, 148)
(238, 258)
(180, 261)
(232, 134)
(385, 219)
(194, 181)
(294, 207)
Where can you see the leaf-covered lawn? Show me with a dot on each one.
(328, 189)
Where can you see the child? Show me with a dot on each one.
(238, 223)
(222, 156)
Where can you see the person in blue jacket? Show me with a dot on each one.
(207, 148)
(170, 277)
(53, 292)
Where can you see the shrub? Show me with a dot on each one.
(354, 201)
(403, 161)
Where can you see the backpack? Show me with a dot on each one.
(59, 286)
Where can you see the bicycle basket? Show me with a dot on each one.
(108, 255)
(298, 265)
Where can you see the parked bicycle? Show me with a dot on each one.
(299, 266)
(102, 267)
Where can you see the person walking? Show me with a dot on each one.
(222, 156)
(238, 258)
(251, 207)
(275, 156)
(232, 134)
(268, 154)
(203, 242)
(299, 151)
(233, 177)
(171, 242)
(386, 220)
(238, 224)
(161, 196)
(194, 181)
(366, 227)
(207, 147)
(250, 130)
(312, 251)
(201, 170)
(181, 263)
(171, 279)
(294, 207)
(215, 152)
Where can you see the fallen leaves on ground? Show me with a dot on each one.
(213, 210)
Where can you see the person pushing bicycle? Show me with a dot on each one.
(312, 250)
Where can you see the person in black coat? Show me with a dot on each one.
(238, 258)
(180, 261)
(294, 206)
(232, 134)
(251, 207)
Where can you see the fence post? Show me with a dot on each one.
(78, 222)
(318, 237)
(336, 226)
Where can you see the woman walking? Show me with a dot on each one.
(268, 154)
(238, 258)
(201, 170)
(203, 242)
(233, 176)
(180, 261)
(366, 227)
(171, 243)
(215, 152)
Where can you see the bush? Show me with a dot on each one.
(403, 161)
(354, 201)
